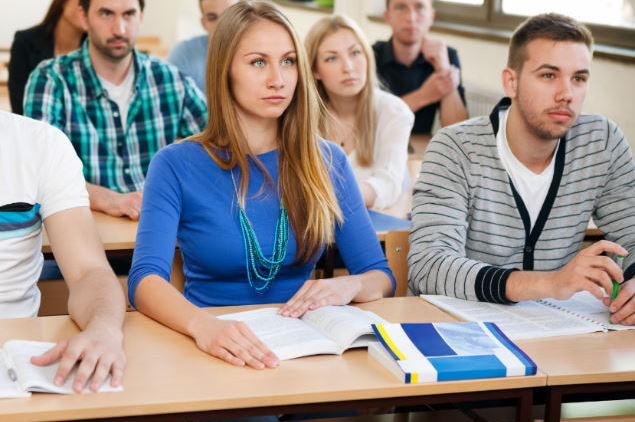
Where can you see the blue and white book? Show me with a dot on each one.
(445, 351)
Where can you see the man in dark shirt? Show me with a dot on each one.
(423, 71)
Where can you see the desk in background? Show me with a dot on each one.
(167, 374)
(586, 364)
(117, 234)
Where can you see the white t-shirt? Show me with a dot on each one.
(531, 187)
(388, 173)
(40, 175)
(121, 94)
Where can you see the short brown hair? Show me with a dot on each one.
(85, 4)
(550, 26)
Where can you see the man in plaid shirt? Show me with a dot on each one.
(117, 105)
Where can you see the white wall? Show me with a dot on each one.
(19, 15)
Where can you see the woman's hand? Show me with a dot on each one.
(322, 292)
(233, 342)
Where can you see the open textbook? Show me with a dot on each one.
(19, 377)
(326, 330)
(580, 314)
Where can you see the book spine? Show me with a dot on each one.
(530, 366)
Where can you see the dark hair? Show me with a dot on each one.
(85, 4)
(53, 15)
(550, 26)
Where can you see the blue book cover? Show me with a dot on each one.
(445, 351)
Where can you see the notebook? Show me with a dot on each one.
(580, 314)
(446, 351)
(19, 377)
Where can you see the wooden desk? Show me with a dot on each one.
(117, 234)
(589, 363)
(167, 374)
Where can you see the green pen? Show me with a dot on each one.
(616, 286)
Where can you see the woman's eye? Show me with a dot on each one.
(258, 62)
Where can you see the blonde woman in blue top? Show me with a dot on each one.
(253, 199)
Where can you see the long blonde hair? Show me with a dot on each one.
(365, 120)
(304, 182)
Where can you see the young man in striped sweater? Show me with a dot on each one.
(503, 201)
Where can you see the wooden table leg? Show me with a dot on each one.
(553, 404)
(523, 409)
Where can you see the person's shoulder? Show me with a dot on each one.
(60, 66)
(452, 51)
(194, 42)
(189, 48)
(169, 73)
(331, 152)
(467, 136)
(590, 129)
(378, 47)
(180, 150)
(379, 44)
(586, 123)
(386, 102)
(36, 32)
(31, 134)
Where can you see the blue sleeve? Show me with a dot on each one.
(158, 223)
(355, 236)
(179, 57)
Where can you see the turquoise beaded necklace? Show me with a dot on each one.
(261, 271)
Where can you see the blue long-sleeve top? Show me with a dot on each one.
(189, 199)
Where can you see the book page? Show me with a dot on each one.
(348, 326)
(520, 321)
(587, 306)
(288, 338)
(40, 378)
(8, 387)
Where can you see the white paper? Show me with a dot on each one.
(40, 378)
(519, 321)
(288, 338)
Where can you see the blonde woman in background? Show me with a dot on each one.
(371, 125)
(253, 199)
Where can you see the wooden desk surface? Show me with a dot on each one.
(585, 358)
(166, 373)
(117, 233)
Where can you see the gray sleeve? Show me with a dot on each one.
(614, 212)
(437, 260)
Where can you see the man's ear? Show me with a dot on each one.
(510, 82)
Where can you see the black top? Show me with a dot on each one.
(401, 80)
(29, 48)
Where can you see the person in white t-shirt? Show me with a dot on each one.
(41, 182)
(373, 126)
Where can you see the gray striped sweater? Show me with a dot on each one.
(470, 228)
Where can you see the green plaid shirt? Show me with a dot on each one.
(165, 106)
